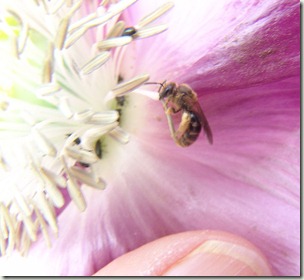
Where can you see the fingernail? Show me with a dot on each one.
(221, 258)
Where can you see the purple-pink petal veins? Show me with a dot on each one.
(226, 45)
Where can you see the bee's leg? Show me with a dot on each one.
(183, 126)
(172, 110)
(169, 119)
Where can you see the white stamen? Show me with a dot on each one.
(14, 47)
(75, 36)
(48, 65)
(30, 227)
(64, 107)
(17, 228)
(96, 62)
(76, 195)
(9, 223)
(2, 244)
(113, 42)
(48, 89)
(43, 143)
(156, 14)
(93, 21)
(120, 6)
(23, 37)
(25, 242)
(43, 227)
(44, 207)
(80, 23)
(3, 227)
(73, 9)
(83, 116)
(98, 21)
(120, 135)
(7, 227)
(90, 137)
(129, 85)
(62, 33)
(81, 155)
(73, 189)
(116, 30)
(150, 31)
(151, 94)
(105, 117)
(87, 178)
(56, 179)
(54, 194)
(21, 202)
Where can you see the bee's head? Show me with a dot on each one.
(167, 90)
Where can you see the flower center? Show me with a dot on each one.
(62, 102)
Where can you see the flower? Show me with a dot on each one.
(242, 59)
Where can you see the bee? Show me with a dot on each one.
(183, 98)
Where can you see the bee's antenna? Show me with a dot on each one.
(155, 83)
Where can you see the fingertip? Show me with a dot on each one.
(194, 253)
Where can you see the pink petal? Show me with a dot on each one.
(225, 44)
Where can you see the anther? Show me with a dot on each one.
(54, 194)
(116, 30)
(44, 206)
(80, 155)
(105, 117)
(30, 227)
(43, 226)
(113, 42)
(87, 178)
(96, 62)
(130, 85)
(156, 14)
(23, 37)
(151, 31)
(58, 180)
(48, 90)
(76, 194)
(120, 6)
(83, 116)
(90, 136)
(62, 33)
(48, 65)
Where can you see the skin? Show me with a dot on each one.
(194, 253)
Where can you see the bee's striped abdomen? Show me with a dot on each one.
(193, 131)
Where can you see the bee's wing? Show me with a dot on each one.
(196, 108)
